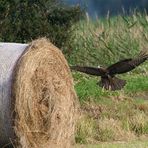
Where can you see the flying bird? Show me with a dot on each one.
(108, 79)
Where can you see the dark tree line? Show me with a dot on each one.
(25, 20)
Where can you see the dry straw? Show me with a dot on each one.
(43, 98)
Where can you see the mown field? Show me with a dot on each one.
(109, 117)
(135, 144)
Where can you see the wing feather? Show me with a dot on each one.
(88, 70)
(127, 65)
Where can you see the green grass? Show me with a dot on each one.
(135, 144)
(122, 110)
(111, 115)
(106, 41)
(137, 84)
(87, 88)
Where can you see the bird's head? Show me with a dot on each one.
(99, 66)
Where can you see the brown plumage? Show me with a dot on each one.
(108, 79)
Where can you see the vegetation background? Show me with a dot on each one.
(23, 21)
(119, 115)
(105, 116)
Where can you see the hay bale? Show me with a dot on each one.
(43, 99)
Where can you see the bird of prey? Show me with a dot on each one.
(108, 79)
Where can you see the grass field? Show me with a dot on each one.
(135, 144)
(111, 116)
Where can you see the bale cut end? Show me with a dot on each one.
(45, 100)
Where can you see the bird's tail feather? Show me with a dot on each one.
(112, 83)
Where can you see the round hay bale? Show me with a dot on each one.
(43, 100)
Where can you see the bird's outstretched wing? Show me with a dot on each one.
(88, 70)
(127, 65)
